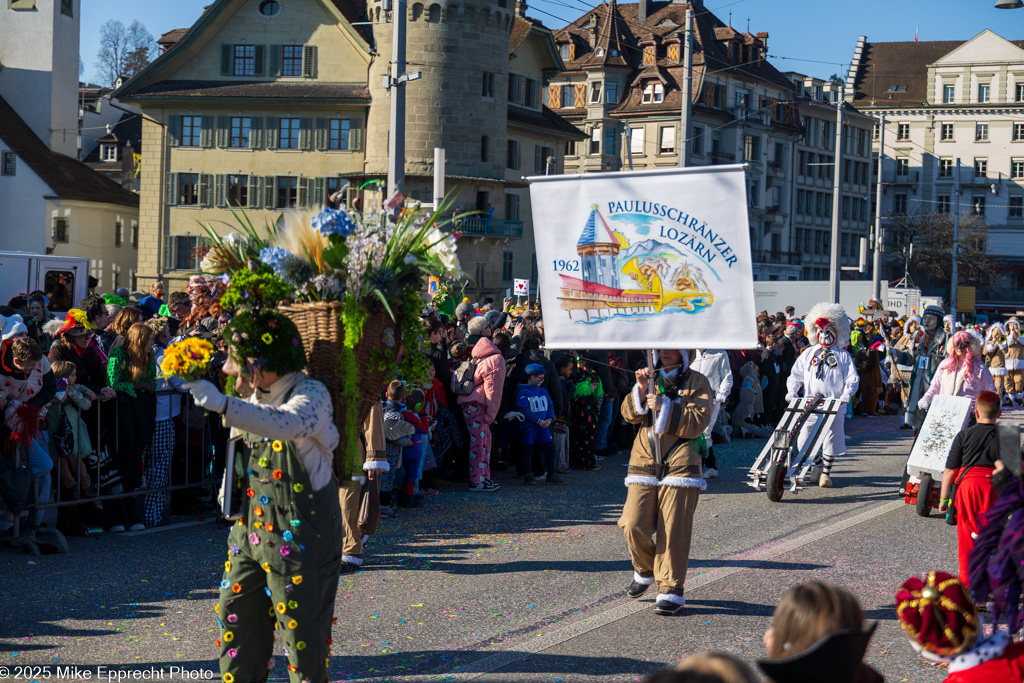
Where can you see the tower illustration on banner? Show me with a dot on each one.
(623, 279)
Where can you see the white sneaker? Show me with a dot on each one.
(710, 473)
(491, 486)
(136, 527)
(825, 481)
(117, 528)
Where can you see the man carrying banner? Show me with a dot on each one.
(664, 480)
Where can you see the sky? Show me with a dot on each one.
(816, 37)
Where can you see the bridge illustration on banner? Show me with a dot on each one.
(657, 277)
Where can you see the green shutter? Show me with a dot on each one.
(270, 133)
(172, 189)
(173, 130)
(206, 135)
(205, 189)
(260, 59)
(223, 129)
(304, 192)
(254, 192)
(220, 194)
(275, 60)
(256, 133)
(309, 61)
(169, 254)
(269, 192)
(355, 135)
(321, 134)
(226, 54)
(305, 133)
(319, 192)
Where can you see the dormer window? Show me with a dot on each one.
(108, 152)
(565, 51)
(649, 54)
(673, 53)
(654, 93)
(599, 52)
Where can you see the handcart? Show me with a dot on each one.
(783, 458)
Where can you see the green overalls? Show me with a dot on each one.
(282, 570)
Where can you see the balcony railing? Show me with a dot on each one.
(791, 258)
(478, 226)
(722, 158)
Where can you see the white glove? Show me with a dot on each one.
(512, 415)
(207, 395)
(922, 405)
(790, 397)
(721, 398)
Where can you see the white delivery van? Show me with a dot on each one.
(64, 279)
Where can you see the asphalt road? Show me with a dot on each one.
(525, 584)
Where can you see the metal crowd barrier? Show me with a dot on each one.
(25, 531)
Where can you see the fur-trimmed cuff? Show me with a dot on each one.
(998, 372)
(671, 597)
(664, 413)
(381, 465)
(641, 481)
(684, 483)
(643, 580)
(358, 479)
(352, 559)
(639, 406)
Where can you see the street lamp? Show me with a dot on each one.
(1009, 4)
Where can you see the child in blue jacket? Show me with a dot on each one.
(534, 402)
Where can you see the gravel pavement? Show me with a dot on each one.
(525, 584)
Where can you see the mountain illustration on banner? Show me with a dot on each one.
(614, 277)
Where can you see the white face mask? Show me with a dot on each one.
(826, 333)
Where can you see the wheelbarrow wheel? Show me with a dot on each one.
(924, 493)
(775, 484)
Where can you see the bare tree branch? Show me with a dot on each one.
(932, 237)
(123, 51)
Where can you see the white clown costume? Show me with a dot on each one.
(828, 369)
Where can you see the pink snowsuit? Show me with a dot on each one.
(480, 407)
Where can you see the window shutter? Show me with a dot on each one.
(355, 135)
(303, 199)
(319, 192)
(254, 192)
(173, 130)
(270, 133)
(555, 97)
(256, 133)
(309, 61)
(172, 189)
(220, 196)
(260, 59)
(205, 182)
(206, 136)
(537, 153)
(321, 134)
(169, 255)
(226, 53)
(275, 60)
(269, 194)
(305, 133)
(223, 126)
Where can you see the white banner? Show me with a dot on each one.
(645, 259)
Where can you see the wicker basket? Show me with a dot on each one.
(323, 335)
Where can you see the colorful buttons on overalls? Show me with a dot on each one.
(264, 499)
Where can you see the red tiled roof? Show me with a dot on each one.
(172, 36)
(67, 177)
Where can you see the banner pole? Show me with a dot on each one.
(655, 441)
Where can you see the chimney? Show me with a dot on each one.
(521, 7)
(643, 10)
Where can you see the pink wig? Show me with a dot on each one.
(972, 352)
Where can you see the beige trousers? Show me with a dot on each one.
(667, 511)
(1014, 381)
(360, 514)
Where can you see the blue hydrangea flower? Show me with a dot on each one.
(275, 257)
(333, 222)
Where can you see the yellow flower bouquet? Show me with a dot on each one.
(186, 359)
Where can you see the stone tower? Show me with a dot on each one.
(462, 50)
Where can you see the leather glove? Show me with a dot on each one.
(207, 395)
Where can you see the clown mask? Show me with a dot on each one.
(826, 332)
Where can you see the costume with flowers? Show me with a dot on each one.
(281, 573)
(994, 354)
(942, 623)
(663, 500)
